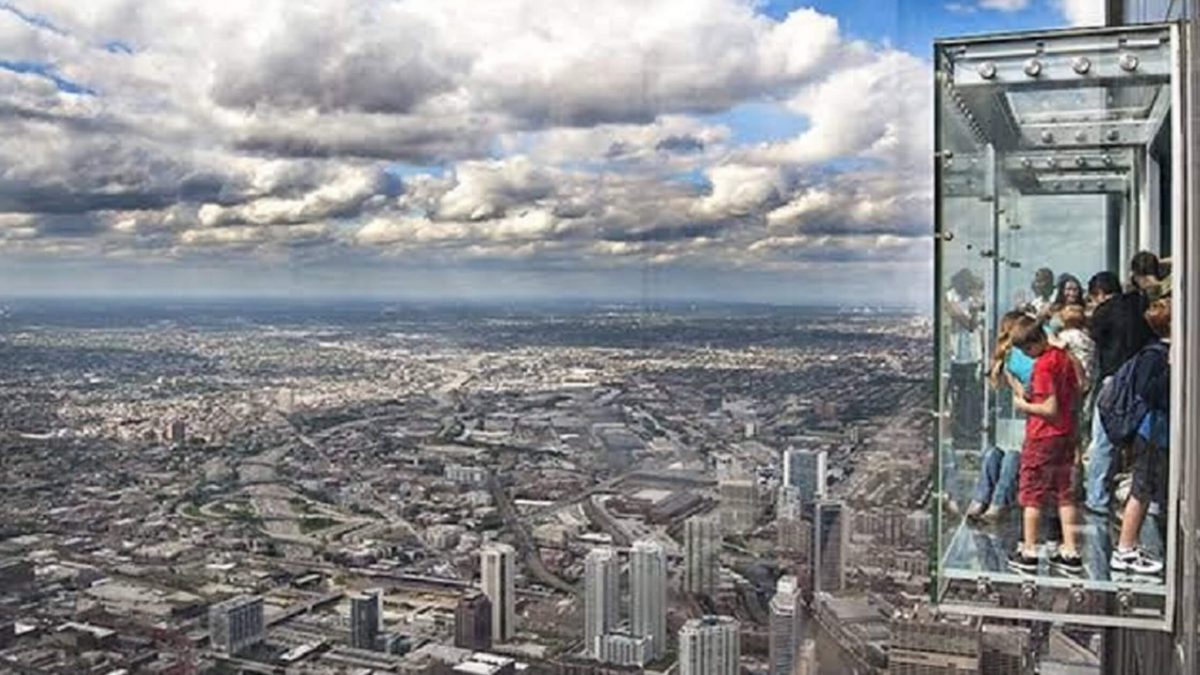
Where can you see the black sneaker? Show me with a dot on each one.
(1069, 565)
(1023, 563)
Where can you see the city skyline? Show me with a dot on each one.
(275, 151)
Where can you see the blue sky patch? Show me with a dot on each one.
(49, 72)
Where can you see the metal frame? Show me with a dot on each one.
(975, 83)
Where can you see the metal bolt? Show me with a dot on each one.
(1080, 136)
(1108, 160)
(1100, 185)
(1080, 161)
(1027, 163)
(1113, 136)
(1128, 62)
(1047, 137)
(1052, 163)
(987, 70)
(1082, 65)
(1033, 67)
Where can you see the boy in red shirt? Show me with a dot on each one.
(1048, 455)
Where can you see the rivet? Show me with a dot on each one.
(1047, 137)
(1129, 62)
(987, 70)
(1033, 67)
(1082, 65)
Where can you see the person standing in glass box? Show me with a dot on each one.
(1048, 453)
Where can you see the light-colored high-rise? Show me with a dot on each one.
(709, 645)
(784, 625)
(623, 649)
(648, 594)
(235, 624)
(601, 596)
(701, 551)
(498, 569)
(806, 659)
(366, 617)
(829, 543)
(806, 470)
(739, 504)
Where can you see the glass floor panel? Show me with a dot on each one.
(981, 550)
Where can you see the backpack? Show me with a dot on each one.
(1119, 405)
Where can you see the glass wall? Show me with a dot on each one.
(1048, 174)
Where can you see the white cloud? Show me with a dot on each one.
(740, 190)
(1004, 5)
(881, 107)
(567, 133)
(1084, 12)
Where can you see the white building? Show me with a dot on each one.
(498, 569)
(709, 646)
(623, 649)
(601, 596)
(648, 594)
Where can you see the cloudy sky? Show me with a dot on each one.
(726, 149)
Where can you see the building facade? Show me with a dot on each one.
(366, 618)
(236, 624)
(784, 626)
(702, 547)
(739, 505)
(710, 645)
(829, 543)
(648, 594)
(807, 471)
(625, 649)
(922, 644)
(498, 572)
(473, 622)
(601, 596)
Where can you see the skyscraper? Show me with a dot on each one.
(473, 622)
(709, 645)
(235, 624)
(498, 571)
(601, 596)
(702, 547)
(828, 546)
(806, 471)
(366, 615)
(648, 594)
(739, 504)
(784, 628)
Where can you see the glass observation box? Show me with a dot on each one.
(1059, 155)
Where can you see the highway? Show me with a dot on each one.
(525, 546)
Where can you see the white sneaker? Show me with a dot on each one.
(1135, 561)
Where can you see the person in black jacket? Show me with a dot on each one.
(1119, 330)
(1152, 382)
